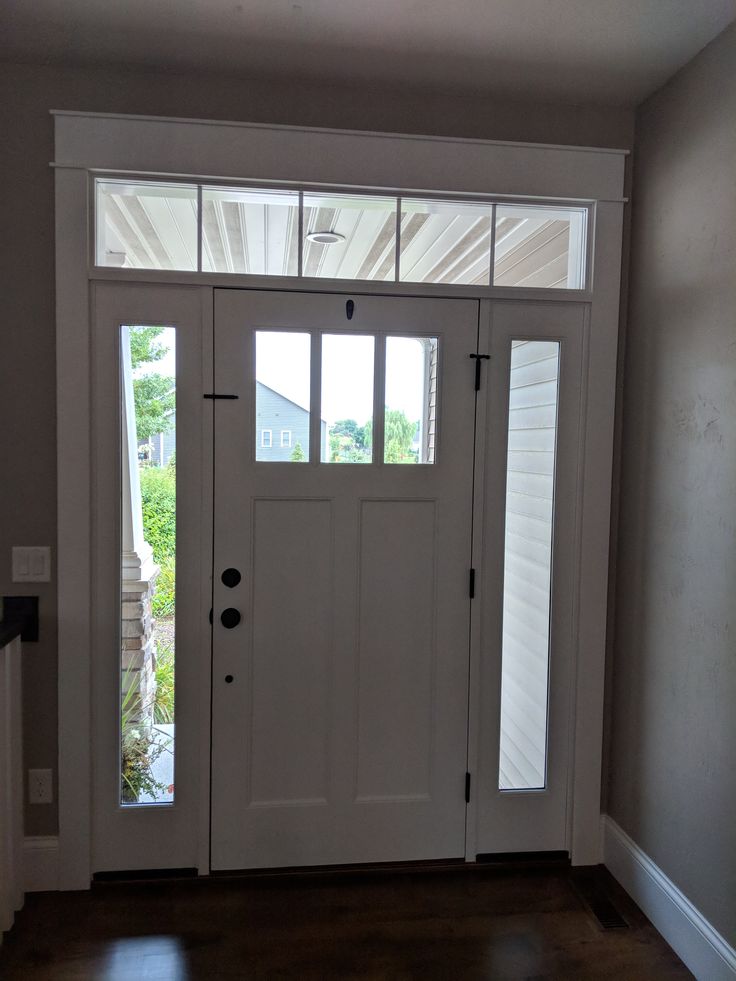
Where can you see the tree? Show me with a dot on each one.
(297, 454)
(154, 394)
(399, 433)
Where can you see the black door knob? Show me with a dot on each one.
(231, 578)
(230, 618)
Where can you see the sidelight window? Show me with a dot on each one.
(527, 587)
(148, 564)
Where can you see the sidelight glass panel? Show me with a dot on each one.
(148, 564)
(349, 236)
(530, 482)
(146, 225)
(410, 420)
(445, 242)
(282, 396)
(250, 231)
(540, 247)
(347, 398)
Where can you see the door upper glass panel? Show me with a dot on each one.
(410, 415)
(347, 398)
(282, 396)
(263, 231)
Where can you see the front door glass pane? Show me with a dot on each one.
(148, 564)
(410, 420)
(347, 398)
(282, 396)
(530, 484)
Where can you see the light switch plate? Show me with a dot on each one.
(31, 563)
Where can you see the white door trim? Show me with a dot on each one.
(82, 142)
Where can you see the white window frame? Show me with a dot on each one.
(266, 433)
(286, 444)
(95, 144)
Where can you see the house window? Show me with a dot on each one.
(286, 437)
(266, 438)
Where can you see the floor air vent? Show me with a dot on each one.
(607, 914)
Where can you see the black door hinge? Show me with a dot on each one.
(216, 395)
(471, 589)
(467, 788)
(478, 358)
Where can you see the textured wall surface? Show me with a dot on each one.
(672, 783)
(27, 356)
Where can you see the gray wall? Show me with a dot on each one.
(27, 365)
(672, 747)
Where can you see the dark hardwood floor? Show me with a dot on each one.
(484, 922)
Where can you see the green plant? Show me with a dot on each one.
(163, 705)
(158, 497)
(163, 603)
(297, 454)
(139, 748)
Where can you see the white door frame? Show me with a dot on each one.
(93, 142)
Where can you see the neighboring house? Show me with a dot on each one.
(280, 425)
(158, 450)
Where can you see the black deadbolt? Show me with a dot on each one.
(230, 618)
(230, 578)
(228, 679)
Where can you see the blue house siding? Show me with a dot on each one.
(286, 422)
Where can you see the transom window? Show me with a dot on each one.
(275, 232)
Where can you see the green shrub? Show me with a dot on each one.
(164, 596)
(158, 496)
(163, 706)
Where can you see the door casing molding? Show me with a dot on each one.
(87, 142)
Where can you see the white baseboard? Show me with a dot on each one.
(686, 930)
(41, 864)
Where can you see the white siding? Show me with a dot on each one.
(527, 562)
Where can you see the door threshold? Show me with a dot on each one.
(506, 860)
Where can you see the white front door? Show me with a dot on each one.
(342, 539)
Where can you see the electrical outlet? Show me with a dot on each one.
(40, 787)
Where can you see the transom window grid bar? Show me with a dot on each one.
(259, 230)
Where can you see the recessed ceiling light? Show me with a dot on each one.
(325, 238)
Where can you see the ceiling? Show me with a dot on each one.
(609, 52)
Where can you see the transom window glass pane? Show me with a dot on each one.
(349, 237)
(445, 242)
(250, 231)
(347, 398)
(148, 564)
(282, 396)
(410, 421)
(540, 247)
(527, 586)
(146, 225)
